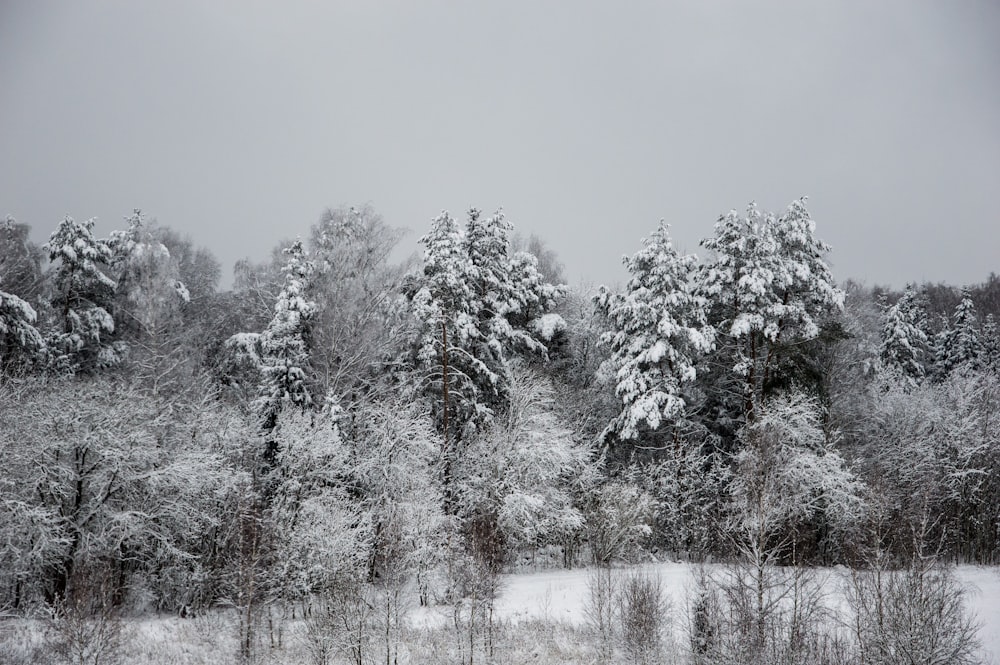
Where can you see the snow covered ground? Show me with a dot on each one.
(984, 600)
(561, 595)
(544, 616)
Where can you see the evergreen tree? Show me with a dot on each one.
(20, 282)
(443, 303)
(284, 344)
(509, 291)
(960, 346)
(476, 306)
(659, 329)
(21, 263)
(83, 298)
(904, 343)
(769, 287)
(20, 341)
(991, 344)
(535, 299)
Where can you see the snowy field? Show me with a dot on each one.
(543, 613)
(561, 595)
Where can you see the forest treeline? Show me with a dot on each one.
(338, 418)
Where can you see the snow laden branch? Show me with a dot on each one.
(19, 338)
(106, 477)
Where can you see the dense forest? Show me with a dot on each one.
(340, 426)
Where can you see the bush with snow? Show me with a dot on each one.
(521, 480)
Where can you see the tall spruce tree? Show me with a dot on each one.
(475, 306)
(444, 306)
(509, 289)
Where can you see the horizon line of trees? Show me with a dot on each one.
(337, 419)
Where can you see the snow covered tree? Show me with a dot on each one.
(967, 347)
(83, 298)
(659, 330)
(959, 346)
(21, 284)
(509, 289)
(508, 294)
(931, 454)
(444, 306)
(533, 300)
(991, 344)
(362, 321)
(99, 476)
(443, 303)
(769, 287)
(284, 344)
(787, 475)
(904, 344)
(393, 463)
(149, 308)
(620, 515)
(690, 483)
(575, 358)
(549, 266)
(197, 268)
(21, 262)
(477, 307)
(149, 292)
(352, 515)
(20, 341)
(189, 332)
(256, 286)
(320, 534)
(915, 615)
(520, 478)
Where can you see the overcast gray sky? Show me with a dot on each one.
(238, 122)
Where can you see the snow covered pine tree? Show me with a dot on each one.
(659, 329)
(82, 298)
(768, 285)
